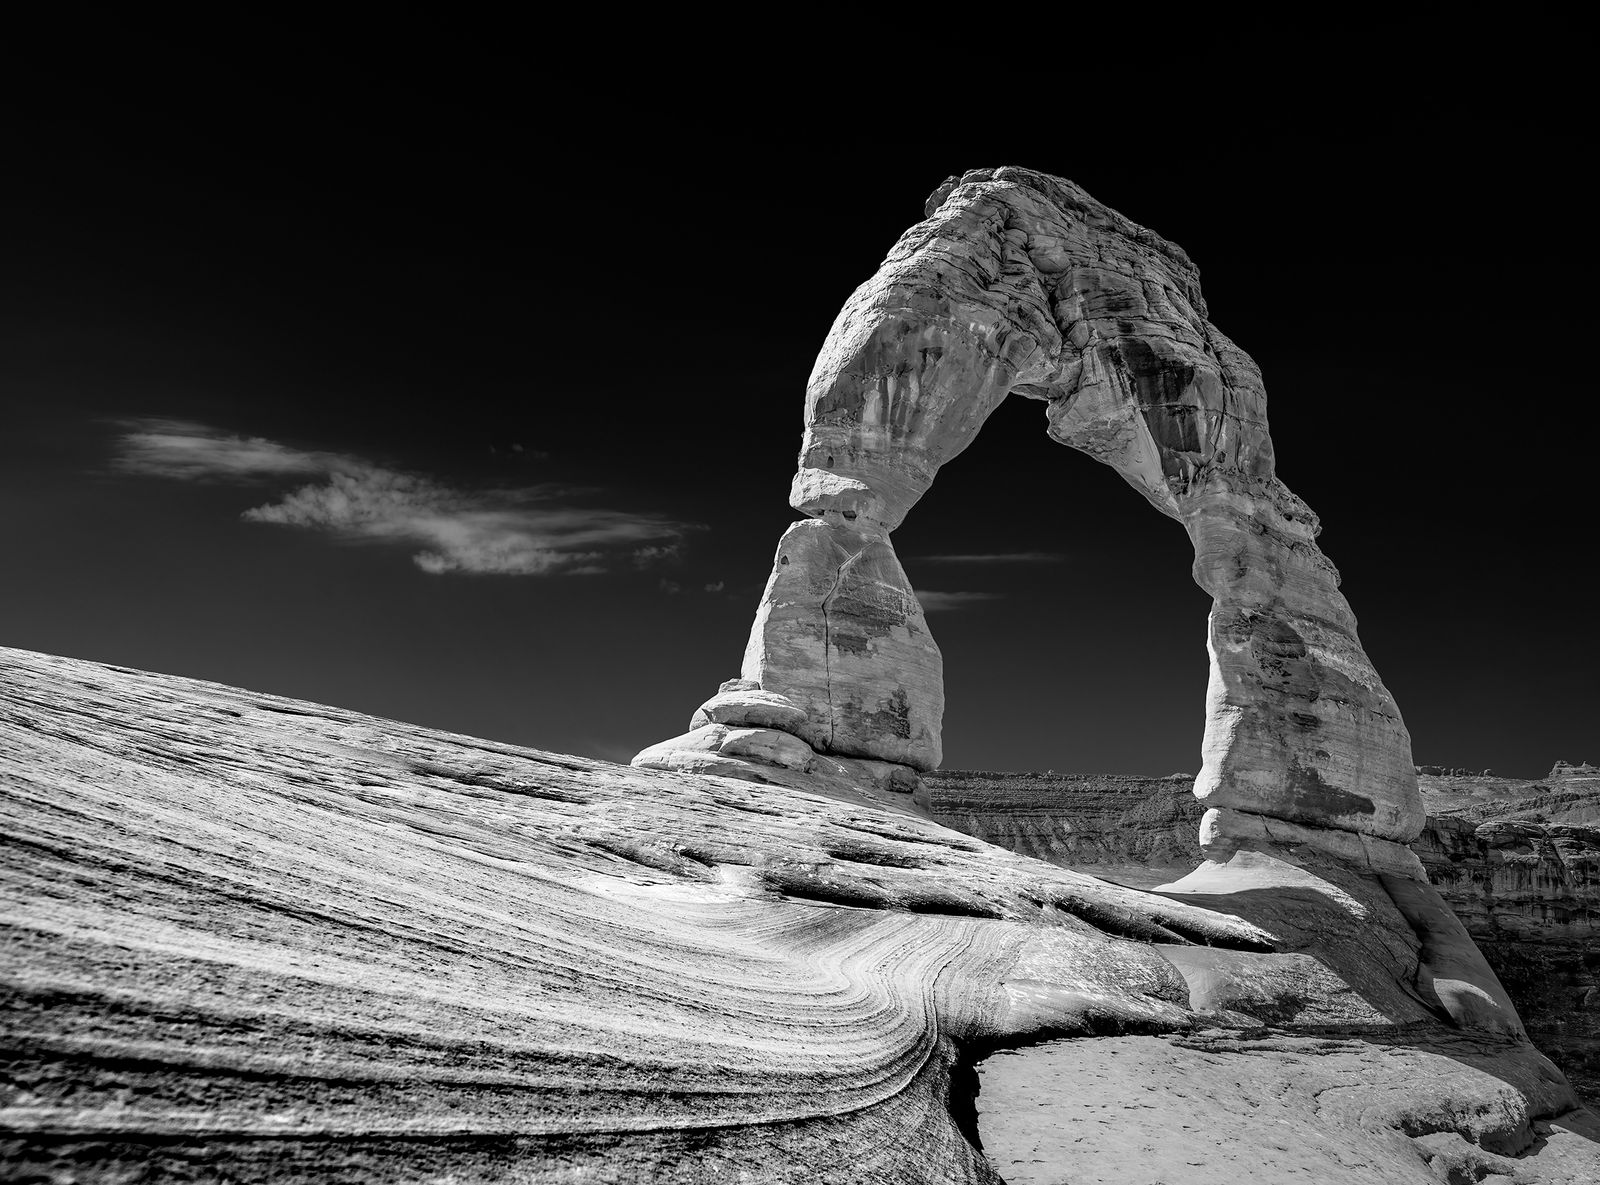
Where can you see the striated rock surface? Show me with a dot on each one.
(1017, 282)
(1565, 769)
(255, 939)
(718, 745)
(1518, 861)
(839, 632)
(755, 708)
(1131, 830)
(839, 657)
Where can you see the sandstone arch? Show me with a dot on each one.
(1021, 283)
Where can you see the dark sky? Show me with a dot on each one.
(508, 370)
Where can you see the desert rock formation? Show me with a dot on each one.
(840, 632)
(252, 938)
(1021, 283)
(258, 939)
(1135, 831)
(1517, 861)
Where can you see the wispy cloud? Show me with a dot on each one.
(194, 452)
(945, 602)
(1010, 557)
(526, 531)
(517, 532)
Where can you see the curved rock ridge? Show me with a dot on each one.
(1517, 861)
(256, 939)
(1018, 282)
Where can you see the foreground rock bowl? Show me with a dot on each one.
(250, 938)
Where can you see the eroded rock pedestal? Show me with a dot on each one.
(840, 633)
(840, 669)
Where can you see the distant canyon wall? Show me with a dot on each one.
(1518, 861)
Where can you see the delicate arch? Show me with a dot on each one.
(1020, 282)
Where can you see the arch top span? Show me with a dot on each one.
(1018, 282)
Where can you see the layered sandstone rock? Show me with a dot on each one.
(1017, 282)
(1563, 770)
(839, 657)
(752, 707)
(840, 633)
(1131, 830)
(256, 939)
(1517, 861)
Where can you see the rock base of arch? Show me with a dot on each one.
(756, 735)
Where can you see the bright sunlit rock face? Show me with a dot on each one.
(1022, 283)
(257, 939)
(840, 632)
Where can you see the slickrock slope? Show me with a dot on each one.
(256, 937)
(1568, 795)
(249, 938)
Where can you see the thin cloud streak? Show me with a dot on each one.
(525, 531)
(946, 602)
(193, 452)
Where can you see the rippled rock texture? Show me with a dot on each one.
(1517, 861)
(1021, 283)
(1231, 1109)
(256, 939)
